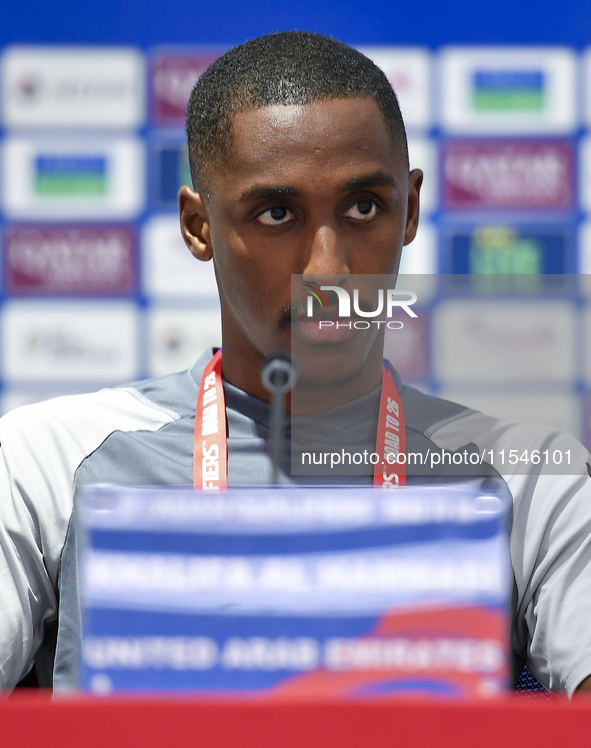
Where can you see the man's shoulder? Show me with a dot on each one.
(151, 401)
(435, 416)
(513, 447)
(426, 413)
(43, 445)
(76, 424)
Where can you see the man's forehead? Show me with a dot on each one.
(325, 120)
(317, 111)
(321, 134)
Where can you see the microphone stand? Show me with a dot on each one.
(279, 376)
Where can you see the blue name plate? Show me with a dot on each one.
(296, 592)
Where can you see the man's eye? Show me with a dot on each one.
(275, 216)
(363, 210)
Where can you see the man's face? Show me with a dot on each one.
(315, 190)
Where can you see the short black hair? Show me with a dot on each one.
(288, 67)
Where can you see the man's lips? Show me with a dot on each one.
(327, 329)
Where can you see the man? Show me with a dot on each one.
(299, 162)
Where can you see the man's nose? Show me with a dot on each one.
(327, 254)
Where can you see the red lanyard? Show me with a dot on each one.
(210, 446)
(390, 472)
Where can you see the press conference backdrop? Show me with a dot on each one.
(98, 288)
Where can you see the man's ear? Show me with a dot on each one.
(415, 180)
(195, 224)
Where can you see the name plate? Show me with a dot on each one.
(339, 593)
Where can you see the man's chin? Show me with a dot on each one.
(332, 364)
(326, 387)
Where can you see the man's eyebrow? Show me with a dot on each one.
(270, 191)
(376, 179)
(267, 192)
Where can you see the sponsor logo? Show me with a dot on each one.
(520, 175)
(70, 259)
(73, 178)
(172, 80)
(45, 87)
(504, 91)
(520, 341)
(499, 249)
(169, 268)
(508, 90)
(69, 341)
(178, 335)
(492, 252)
(27, 87)
(70, 175)
(409, 72)
(172, 169)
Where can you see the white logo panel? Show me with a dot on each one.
(73, 87)
(169, 268)
(409, 72)
(73, 178)
(485, 342)
(178, 336)
(508, 90)
(70, 341)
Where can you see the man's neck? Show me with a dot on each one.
(242, 368)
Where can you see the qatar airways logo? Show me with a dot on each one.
(387, 301)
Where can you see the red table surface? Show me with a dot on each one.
(33, 719)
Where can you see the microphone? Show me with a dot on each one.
(278, 374)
